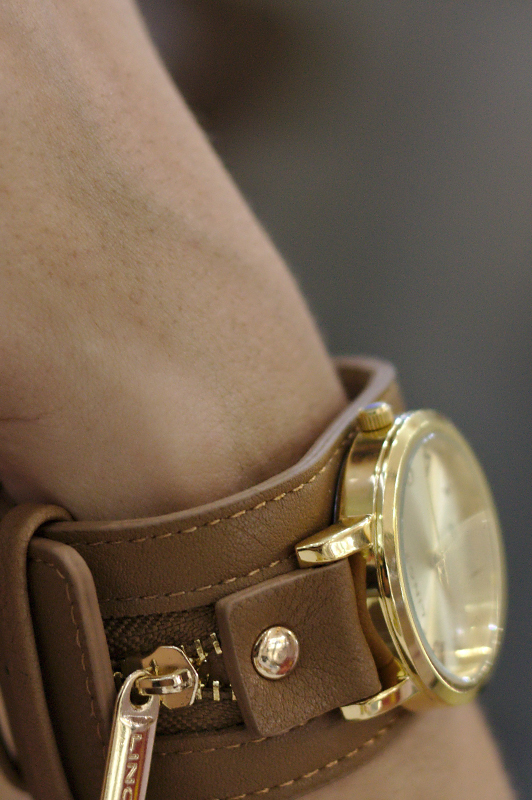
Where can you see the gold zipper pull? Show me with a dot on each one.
(169, 676)
(131, 745)
(170, 662)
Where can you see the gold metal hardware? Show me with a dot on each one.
(275, 653)
(130, 748)
(369, 515)
(353, 530)
(165, 684)
(338, 541)
(375, 417)
(179, 675)
(382, 702)
(200, 651)
(165, 665)
(167, 677)
(422, 660)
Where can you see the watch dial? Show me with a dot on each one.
(451, 560)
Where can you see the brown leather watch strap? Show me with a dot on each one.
(156, 582)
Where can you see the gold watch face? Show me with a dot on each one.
(439, 556)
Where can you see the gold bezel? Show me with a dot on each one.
(406, 432)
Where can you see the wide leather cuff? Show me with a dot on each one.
(79, 597)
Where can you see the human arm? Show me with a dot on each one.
(156, 353)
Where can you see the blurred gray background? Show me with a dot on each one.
(387, 147)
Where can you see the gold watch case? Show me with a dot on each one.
(368, 509)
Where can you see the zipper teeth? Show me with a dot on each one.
(198, 653)
(201, 649)
(215, 693)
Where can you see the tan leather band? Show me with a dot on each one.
(335, 666)
(160, 578)
(205, 553)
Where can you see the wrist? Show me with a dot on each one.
(143, 440)
(240, 559)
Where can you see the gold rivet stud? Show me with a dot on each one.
(275, 653)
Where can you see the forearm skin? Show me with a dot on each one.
(155, 352)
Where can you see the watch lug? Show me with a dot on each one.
(382, 702)
(357, 482)
(340, 540)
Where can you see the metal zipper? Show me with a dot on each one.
(202, 655)
(174, 676)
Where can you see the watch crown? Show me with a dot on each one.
(375, 417)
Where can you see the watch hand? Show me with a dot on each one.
(468, 527)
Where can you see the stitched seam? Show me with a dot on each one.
(229, 746)
(200, 588)
(311, 774)
(213, 522)
(78, 642)
(329, 765)
(214, 749)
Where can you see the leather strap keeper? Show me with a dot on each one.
(335, 666)
(76, 599)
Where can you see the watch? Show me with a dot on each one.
(280, 634)
(414, 499)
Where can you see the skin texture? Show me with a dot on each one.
(154, 351)
(445, 754)
(149, 327)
